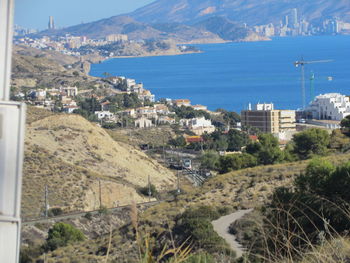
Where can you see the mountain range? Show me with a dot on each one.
(252, 12)
(207, 30)
(204, 21)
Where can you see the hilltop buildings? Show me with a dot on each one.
(268, 120)
(117, 38)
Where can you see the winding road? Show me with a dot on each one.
(221, 226)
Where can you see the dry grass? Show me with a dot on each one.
(70, 187)
(74, 157)
(335, 251)
(79, 142)
(35, 114)
(155, 136)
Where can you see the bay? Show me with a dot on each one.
(232, 75)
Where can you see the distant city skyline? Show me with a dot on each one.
(35, 13)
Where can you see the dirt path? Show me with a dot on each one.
(221, 226)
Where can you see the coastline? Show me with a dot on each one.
(100, 60)
(158, 55)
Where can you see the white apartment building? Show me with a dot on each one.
(198, 125)
(330, 106)
(104, 115)
(130, 83)
(69, 91)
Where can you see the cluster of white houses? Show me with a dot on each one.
(329, 108)
(130, 86)
(46, 98)
(158, 114)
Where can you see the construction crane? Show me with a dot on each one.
(302, 64)
(312, 86)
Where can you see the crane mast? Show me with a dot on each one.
(302, 64)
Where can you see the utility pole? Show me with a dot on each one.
(149, 188)
(46, 202)
(178, 190)
(163, 150)
(100, 192)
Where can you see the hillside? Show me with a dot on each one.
(224, 28)
(34, 68)
(252, 12)
(113, 25)
(246, 188)
(75, 158)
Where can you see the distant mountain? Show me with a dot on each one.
(215, 29)
(112, 25)
(252, 12)
(224, 28)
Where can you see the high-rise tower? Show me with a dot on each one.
(51, 23)
(293, 18)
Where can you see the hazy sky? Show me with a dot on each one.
(35, 13)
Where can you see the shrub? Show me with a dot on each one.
(56, 211)
(109, 125)
(319, 205)
(154, 192)
(62, 234)
(233, 162)
(103, 210)
(195, 223)
(88, 216)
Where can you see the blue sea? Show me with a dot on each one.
(232, 75)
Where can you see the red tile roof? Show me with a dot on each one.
(191, 139)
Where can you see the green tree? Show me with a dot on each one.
(345, 124)
(179, 141)
(62, 234)
(189, 113)
(266, 150)
(90, 105)
(236, 140)
(311, 142)
(316, 176)
(233, 162)
(210, 160)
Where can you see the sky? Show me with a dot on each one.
(35, 14)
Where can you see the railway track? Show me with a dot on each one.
(80, 214)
